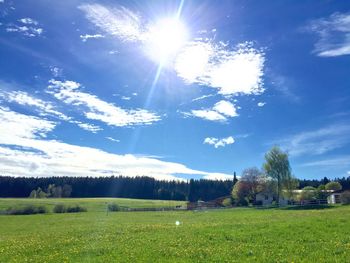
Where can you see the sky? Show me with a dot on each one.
(173, 89)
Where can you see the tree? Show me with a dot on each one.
(290, 183)
(235, 180)
(33, 194)
(278, 168)
(308, 193)
(251, 182)
(40, 193)
(335, 186)
(240, 193)
(345, 197)
(320, 192)
(66, 190)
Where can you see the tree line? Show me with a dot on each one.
(115, 186)
(274, 177)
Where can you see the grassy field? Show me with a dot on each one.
(92, 204)
(231, 235)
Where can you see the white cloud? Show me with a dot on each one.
(261, 104)
(95, 109)
(23, 98)
(35, 156)
(44, 108)
(203, 97)
(86, 37)
(26, 31)
(112, 139)
(348, 172)
(226, 108)
(118, 21)
(219, 112)
(317, 142)
(17, 127)
(88, 127)
(27, 27)
(237, 71)
(334, 35)
(209, 115)
(113, 52)
(28, 21)
(231, 71)
(56, 72)
(125, 98)
(216, 142)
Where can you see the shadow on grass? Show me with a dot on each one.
(307, 207)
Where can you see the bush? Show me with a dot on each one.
(345, 197)
(335, 186)
(59, 208)
(26, 210)
(113, 207)
(227, 202)
(76, 209)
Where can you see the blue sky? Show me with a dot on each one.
(173, 89)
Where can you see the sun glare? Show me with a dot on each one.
(166, 37)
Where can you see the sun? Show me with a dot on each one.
(165, 38)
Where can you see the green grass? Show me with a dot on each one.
(231, 235)
(92, 204)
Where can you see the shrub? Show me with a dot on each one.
(59, 208)
(76, 209)
(345, 197)
(26, 210)
(113, 207)
(335, 186)
(227, 202)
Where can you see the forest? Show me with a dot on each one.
(134, 187)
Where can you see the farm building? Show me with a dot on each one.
(334, 198)
(267, 198)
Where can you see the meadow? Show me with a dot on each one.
(227, 235)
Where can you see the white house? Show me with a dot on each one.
(266, 198)
(334, 198)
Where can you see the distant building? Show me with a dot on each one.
(334, 198)
(267, 198)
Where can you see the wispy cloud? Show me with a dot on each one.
(44, 108)
(27, 27)
(96, 109)
(112, 139)
(334, 35)
(118, 21)
(203, 97)
(339, 162)
(16, 127)
(33, 155)
(261, 104)
(86, 37)
(317, 142)
(28, 21)
(284, 85)
(216, 142)
(88, 127)
(221, 111)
